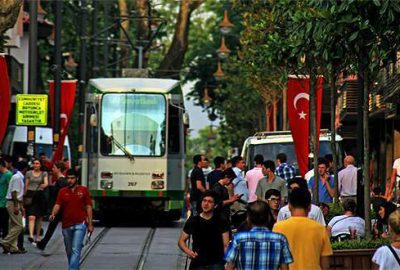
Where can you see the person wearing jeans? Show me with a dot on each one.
(76, 206)
(73, 239)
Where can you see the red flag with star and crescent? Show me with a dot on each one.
(298, 104)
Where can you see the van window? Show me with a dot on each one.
(270, 150)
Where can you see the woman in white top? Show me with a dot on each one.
(347, 223)
(387, 257)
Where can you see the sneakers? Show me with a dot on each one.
(6, 250)
(40, 245)
(19, 251)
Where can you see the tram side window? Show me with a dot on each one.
(91, 132)
(173, 131)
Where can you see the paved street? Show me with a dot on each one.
(110, 248)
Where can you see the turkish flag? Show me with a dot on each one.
(298, 100)
(4, 96)
(67, 106)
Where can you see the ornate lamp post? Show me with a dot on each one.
(225, 26)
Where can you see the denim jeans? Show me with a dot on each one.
(73, 240)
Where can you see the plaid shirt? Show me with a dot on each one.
(258, 249)
(285, 171)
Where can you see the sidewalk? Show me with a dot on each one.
(53, 257)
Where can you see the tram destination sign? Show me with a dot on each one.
(32, 110)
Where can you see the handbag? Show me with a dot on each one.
(28, 198)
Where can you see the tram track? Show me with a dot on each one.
(145, 250)
(92, 245)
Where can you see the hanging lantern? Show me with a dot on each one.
(225, 26)
(206, 98)
(223, 51)
(219, 74)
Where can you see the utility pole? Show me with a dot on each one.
(32, 82)
(82, 73)
(94, 43)
(57, 73)
(106, 33)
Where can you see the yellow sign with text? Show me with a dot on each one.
(32, 110)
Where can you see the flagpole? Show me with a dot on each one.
(314, 133)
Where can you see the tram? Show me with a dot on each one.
(134, 145)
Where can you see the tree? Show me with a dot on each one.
(331, 35)
(174, 58)
(9, 10)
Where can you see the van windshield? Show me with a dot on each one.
(269, 152)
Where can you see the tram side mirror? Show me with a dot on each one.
(93, 120)
(185, 119)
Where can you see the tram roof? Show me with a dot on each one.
(134, 84)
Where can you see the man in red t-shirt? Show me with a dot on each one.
(76, 206)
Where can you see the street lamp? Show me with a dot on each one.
(225, 26)
(223, 51)
(206, 97)
(219, 74)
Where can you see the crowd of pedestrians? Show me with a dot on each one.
(43, 189)
(283, 226)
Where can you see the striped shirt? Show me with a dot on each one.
(259, 248)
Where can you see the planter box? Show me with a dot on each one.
(352, 259)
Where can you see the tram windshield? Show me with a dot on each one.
(133, 124)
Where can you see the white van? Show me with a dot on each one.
(15, 142)
(269, 144)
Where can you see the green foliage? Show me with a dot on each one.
(360, 244)
(209, 143)
(335, 209)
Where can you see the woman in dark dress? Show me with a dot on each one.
(36, 181)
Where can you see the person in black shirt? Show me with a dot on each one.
(59, 182)
(210, 236)
(197, 181)
(214, 176)
(223, 200)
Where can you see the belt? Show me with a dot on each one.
(11, 200)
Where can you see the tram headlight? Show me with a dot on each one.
(106, 184)
(158, 184)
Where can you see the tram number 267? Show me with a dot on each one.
(132, 184)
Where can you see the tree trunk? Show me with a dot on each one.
(366, 154)
(9, 10)
(125, 49)
(143, 11)
(333, 132)
(171, 64)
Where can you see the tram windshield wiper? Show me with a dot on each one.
(122, 148)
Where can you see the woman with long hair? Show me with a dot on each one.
(36, 181)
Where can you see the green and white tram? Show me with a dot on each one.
(134, 145)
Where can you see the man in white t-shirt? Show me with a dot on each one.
(253, 176)
(315, 212)
(15, 210)
(394, 180)
(343, 224)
